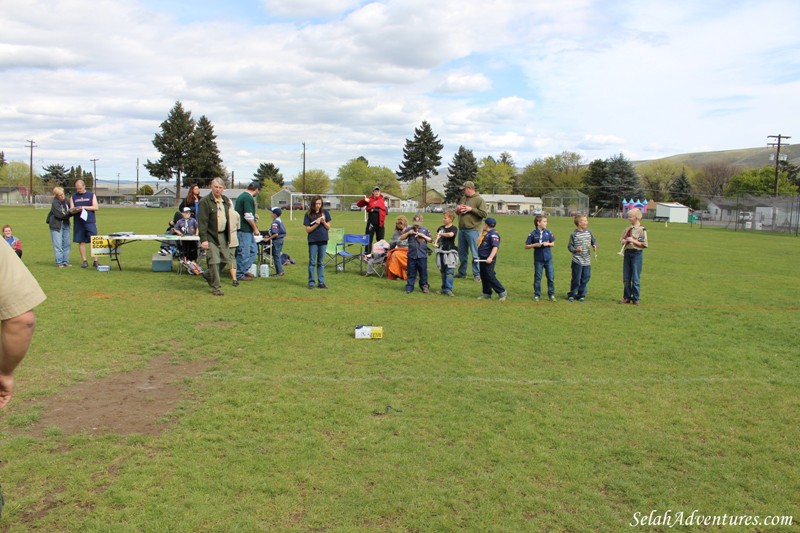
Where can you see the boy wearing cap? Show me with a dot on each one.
(375, 205)
(277, 232)
(488, 246)
(248, 229)
(418, 239)
(187, 226)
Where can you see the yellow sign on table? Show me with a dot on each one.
(101, 246)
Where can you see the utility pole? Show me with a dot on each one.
(94, 176)
(777, 146)
(304, 167)
(30, 191)
(137, 176)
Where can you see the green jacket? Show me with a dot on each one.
(473, 219)
(207, 218)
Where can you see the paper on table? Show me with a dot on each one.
(84, 215)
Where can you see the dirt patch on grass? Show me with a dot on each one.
(128, 403)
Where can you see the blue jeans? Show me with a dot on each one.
(316, 261)
(420, 265)
(547, 266)
(489, 279)
(631, 274)
(467, 242)
(245, 253)
(277, 247)
(447, 278)
(580, 280)
(61, 244)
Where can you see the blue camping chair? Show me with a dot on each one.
(351, 248)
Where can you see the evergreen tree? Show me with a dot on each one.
(680, 189)
(268, 171)
(608, 181)
(464, 167)
(204, 161)
(421, 157)
(2, 159)
(56, 175)
(174, 143)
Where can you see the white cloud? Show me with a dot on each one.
(463, 82)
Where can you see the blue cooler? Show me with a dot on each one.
(162, 263)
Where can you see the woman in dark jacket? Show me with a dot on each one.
(58, 220)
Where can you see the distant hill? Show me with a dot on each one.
(745, 157)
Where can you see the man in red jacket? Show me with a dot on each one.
(376, 214)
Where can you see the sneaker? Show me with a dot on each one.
(476, 278)
(95, 264)
(322, 286)
(581, 300)
(425, 289)
(247, 275)
(635, 302)
(552, 298)
(61, 266)
(460, 276)
(535, 298)
(217, 292)
(485, 297)
(279, 274)
(570, 299)
(310, 285)
(245, 278)
(503, 296)
(236, 283)
(624, 301)
(84, 264)
(448, 293)
(409, 291)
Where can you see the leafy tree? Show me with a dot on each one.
(316, 182)
(421, 157)
(145, 190)
(353, 177)
(464, 167)
(712, 178)
(608, 181)
(792, 172)
(657, 176)
(17, 174)
(760, 182)
(56, 175)
(268, 172)
(204, 162)
(174, 143)
(494, 177)
(384, 178)
(264, 198)
(542, 175)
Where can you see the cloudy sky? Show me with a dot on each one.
(90, 79)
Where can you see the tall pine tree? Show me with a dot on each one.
(174, 143)
(421, 157)
(608, 181)
(464, 167)
(268, 171)
(204, 162)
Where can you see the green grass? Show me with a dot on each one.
(508, 417)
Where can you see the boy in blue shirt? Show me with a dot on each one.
(277, 232)
(418, 239)
(542, 240)
(488, 245)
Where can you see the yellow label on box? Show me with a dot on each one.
(369, 332)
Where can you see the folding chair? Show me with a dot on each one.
(345, 252)
(335, 236)
(376, 261)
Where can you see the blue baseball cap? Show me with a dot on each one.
(490, 222)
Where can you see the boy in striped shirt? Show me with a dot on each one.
(581, 242)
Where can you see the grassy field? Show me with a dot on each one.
(514, 416)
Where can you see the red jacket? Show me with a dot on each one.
(378, 203)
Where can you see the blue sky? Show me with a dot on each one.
(94, 79)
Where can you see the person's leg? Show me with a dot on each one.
(636, 274)
(537, 278)
(16, 333)
(626, 277)
(243, 253)
(370, 231)
(473, 246)
(82, 250)
(312, 263)
(423, 273)
(551, 278)
(380, 233)
(277, 247)
(55, 237)
(586, 274)
(574, 283)
(321, 263)
(494, 283)
(66, 244)
(486, 288)
(411, 274)
(463, 254)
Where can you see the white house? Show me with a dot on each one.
(512, 203)
(672, 212)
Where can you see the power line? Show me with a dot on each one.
(30, 191)
(777, 146)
